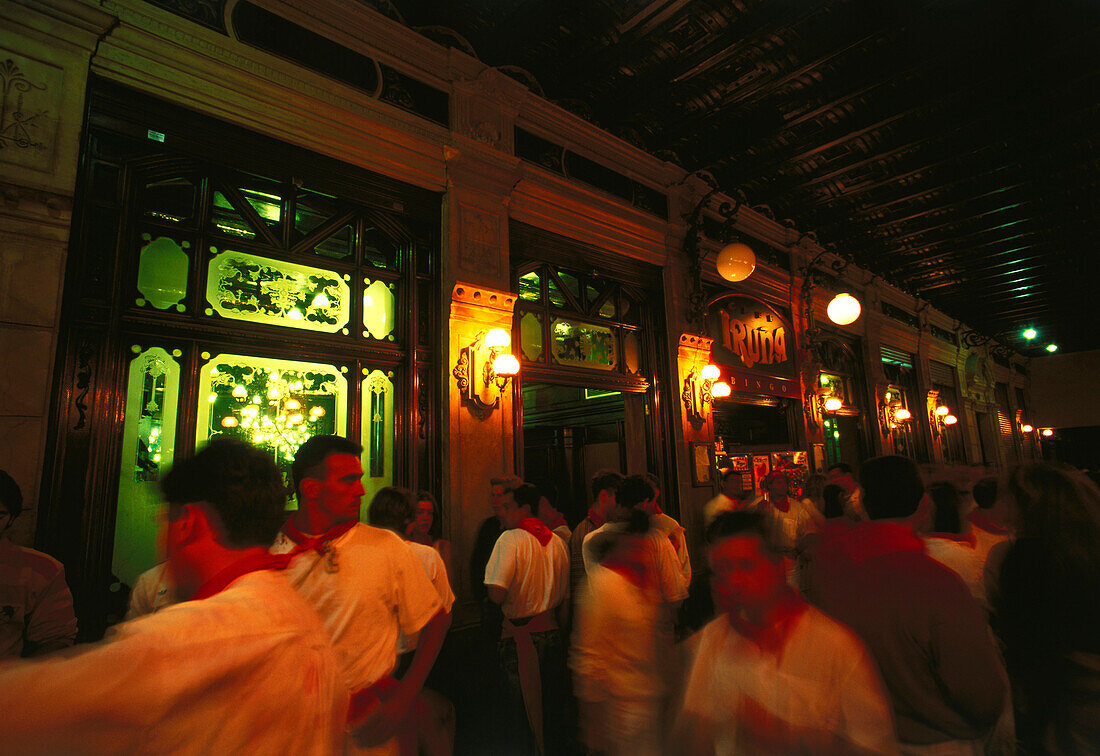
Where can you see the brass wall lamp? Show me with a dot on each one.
(701, 388)
(484, 369)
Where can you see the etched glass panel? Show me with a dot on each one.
(530, 336)
(148, 447)
(270, 403)
(268, 206)
(583, 345)
(377, 434)
(339, 245)
(378, 308)
(162, 272)
(169, 200)
(571, 283)
(631, 351)
(261, 290)
(530, 287)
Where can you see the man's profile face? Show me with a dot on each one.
(842, 479)
(743, 574)
(776, 487)
(340, 495)
(511, 513)
(496, 499)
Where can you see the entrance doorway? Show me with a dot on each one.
(569, 433)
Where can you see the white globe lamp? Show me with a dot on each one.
(844, 309)
(736, 262)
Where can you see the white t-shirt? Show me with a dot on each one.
(378, 591)
(961, 558)
(36, 605)
(614, 652)
(248, 670)
(437, 573)
(674, 531)
(536, 577)
(787, 529)
(660, 557)
(152, 592)
(823, 680)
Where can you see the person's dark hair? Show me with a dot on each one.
(843, 467)
(636, 524)
(728, 473)
(633, 491)
(10, 495)
(834, 501)
(892, 487)
(392, 509)
(653, 480)
(241, 486)
(527, 495)
(945, 501)
(985, 492)
(436, 529)
(729, 524)
(605, 480)
(1055, 505)
(311, 455)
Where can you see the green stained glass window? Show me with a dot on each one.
(262, 290)
(378, 310)
(148, 448)
(530, 287)
(162, 271)
(310, 211)
(377, 433)
(268, 206)
(572, 283)
(226, 219)
(270, 403)
(557, 299)
(583, 345)
(379, 249)
(339, 245)
(530, 335)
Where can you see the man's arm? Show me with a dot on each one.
(497, 594)
(51, 623)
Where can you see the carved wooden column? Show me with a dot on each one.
(692, 355)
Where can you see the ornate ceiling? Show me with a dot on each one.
(949, 145)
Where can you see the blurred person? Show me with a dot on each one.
(528, 575)
(1047, 614)
(430, 728)
(605, 484)
(152, 591)
(813, 491)
(667, 525)
(731, 496)
(36, 607)
(241, 665)
(832, 497)
(841, 474)
(991, 533)
(789, 522)
(951, 542)
(772, 674)
(427, 529)
(367, 586)
(614, 656)
(917, 617)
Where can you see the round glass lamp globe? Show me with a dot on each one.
(950, 420)
(720, 390)
(832, 404)
(506, 364)
(844, 309)
(736, 262)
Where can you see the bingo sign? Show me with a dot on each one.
(752, 335)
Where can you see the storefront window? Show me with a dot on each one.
(149, 432)
(583, 345)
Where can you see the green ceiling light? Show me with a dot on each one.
(1030, 333)
(1052, 347)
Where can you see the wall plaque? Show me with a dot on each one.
(752, 335)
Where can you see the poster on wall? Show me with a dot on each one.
(761, 466)
(794, 465)
(742, 465)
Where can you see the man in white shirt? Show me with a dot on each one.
(731, 496)
(242, 665)
(663, 523)
(367, 586)
(528, 575)
(841, 474)
(771, 674)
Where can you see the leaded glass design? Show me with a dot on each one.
(258, 289)
(530, 287)
(148, 448)
(530, 329)
(270, 403)
(583, 345)
(378, 310)
(225, 218)
(312, 210)
(162, 272)
(169, 200)
(377, 433)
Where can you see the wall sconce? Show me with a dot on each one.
(832, 404)
(701, 387)
(1046, 432)
(483, 370)
(1027, 428)
(939, 417)
(893, 412)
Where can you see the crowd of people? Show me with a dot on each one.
(877, 615)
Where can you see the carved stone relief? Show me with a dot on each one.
(479, 241)
(30, 103)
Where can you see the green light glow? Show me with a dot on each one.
(1052, 347)
(1030, 333)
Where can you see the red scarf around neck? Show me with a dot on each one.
(252, 563)
(535, 527)
(595, 517)
(556, 522)
(303, 542)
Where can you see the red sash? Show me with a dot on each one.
(253, 563)
(535, 527)
(303, 542)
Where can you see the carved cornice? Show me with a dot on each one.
(481, 304)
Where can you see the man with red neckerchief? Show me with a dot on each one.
(367, 586)
(211, 674)
(604, 485)
(528, 574)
